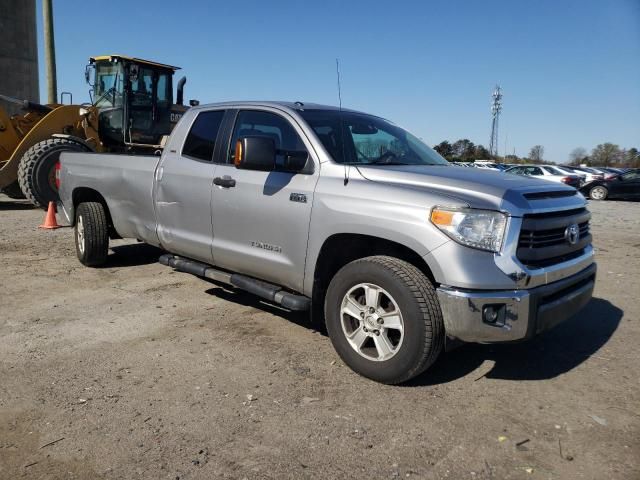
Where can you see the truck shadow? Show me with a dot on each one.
(240, 297)
(132, 255)
(550, 354)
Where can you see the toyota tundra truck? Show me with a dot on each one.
(350, 217)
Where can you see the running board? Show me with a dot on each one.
(265, 290)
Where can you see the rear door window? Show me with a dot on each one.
(202, 137)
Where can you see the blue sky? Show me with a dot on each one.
(570, 70)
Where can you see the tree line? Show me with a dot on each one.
(603, 155)
(606, 155)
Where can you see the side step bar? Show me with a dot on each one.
(265, 290)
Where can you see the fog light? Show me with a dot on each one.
(493, 314)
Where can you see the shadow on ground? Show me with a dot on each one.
(546, 356)
(240, 297)
(550, 354)
(133, 255)
(16, 205)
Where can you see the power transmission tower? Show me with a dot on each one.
(496, 108)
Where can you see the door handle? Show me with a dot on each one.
(226, 181)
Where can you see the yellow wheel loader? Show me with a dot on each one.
(132, 109)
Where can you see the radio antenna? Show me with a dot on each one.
(344, 158)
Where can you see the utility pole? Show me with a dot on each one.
(496, 108)
(49, 52)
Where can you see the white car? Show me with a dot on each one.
(546, 172)
(567, 171)
(592, 174)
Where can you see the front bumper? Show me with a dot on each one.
(522, 313)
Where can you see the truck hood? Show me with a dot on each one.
(478, 188)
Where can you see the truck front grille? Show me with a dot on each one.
(543, 240)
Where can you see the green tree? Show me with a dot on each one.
(632, 158)
(536, 154)
(463, 150)
(481, 153)
(606, 154)
(444, 148)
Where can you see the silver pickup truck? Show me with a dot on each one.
(348, 216)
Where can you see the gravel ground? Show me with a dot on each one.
(135, 371)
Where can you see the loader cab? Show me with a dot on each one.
(134, 99)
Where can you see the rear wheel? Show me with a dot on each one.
(598, 193)
(384, 319)
(37, 169)
(91, 234)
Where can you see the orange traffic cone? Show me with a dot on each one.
(50, 221)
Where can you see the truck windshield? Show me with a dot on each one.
(368, 140)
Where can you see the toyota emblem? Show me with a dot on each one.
(572, 234)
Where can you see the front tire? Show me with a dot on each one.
(91, 234)
(36, 171)
(384, 319)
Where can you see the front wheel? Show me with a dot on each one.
(92, 234)
(384, 319)
(598, 193)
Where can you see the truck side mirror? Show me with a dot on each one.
(255, 153)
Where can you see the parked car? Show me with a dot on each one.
(609, 172)
(568, 171)
(626, 185)
(546, 172)
(592, 174)
(350, 217)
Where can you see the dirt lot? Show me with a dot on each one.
(134, 371)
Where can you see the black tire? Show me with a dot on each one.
(13, 191)
(415, 297)
(599, 192)
(91, 234)
(36, 171)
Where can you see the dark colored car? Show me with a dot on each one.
(626, 185)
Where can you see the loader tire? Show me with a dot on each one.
(13, 191)
(36, 172)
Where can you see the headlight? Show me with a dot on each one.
(482, 229)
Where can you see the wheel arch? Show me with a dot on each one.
(87, 194)
(342, 248)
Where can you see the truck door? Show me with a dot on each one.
(261, 219)
(183, 188)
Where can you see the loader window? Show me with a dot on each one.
(163, 88)
(202, 136)
(142, 88)
(109, 84)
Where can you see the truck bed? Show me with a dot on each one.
(124, 181)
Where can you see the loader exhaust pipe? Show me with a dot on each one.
(180, 91)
